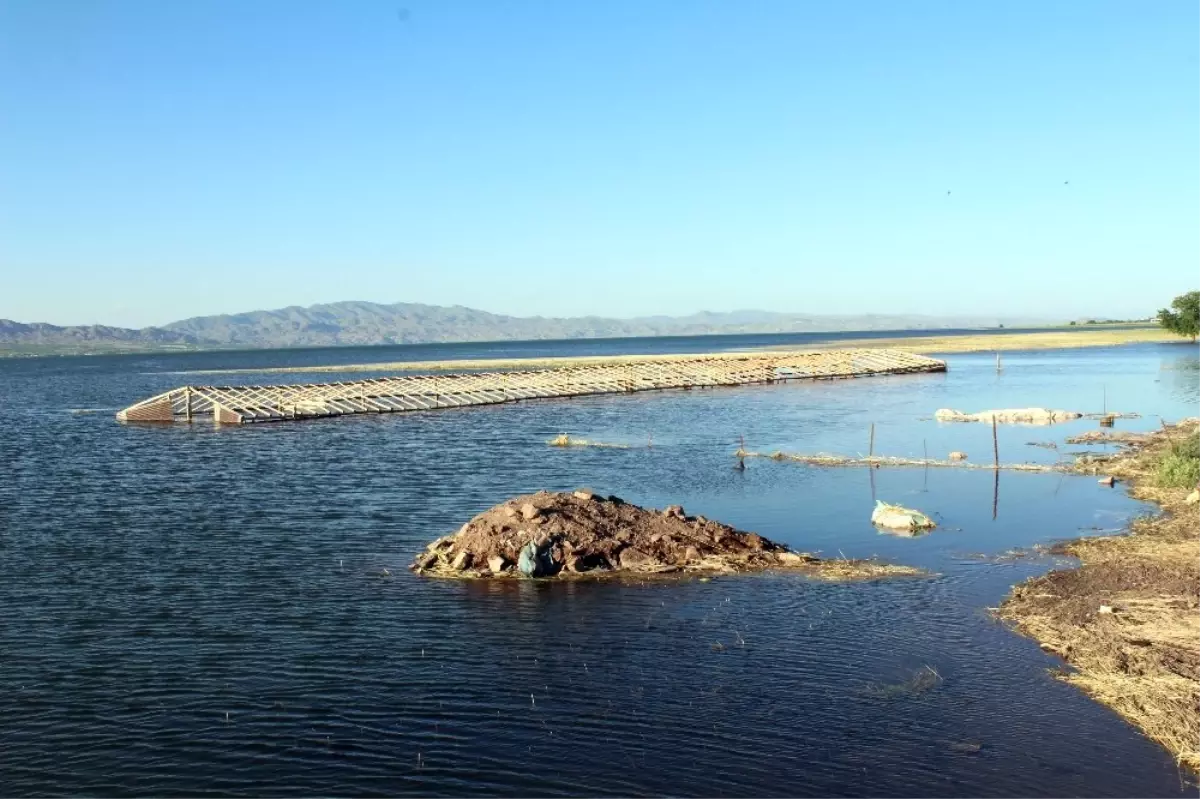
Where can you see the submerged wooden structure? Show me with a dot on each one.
(243, 404)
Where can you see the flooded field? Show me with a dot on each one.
(227, 609)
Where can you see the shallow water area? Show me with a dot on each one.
(227, 609)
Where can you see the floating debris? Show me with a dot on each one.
(967, 747)
(1039, 416)
(922, 681)
(565, 440)
(1104, 437)
(898, 517)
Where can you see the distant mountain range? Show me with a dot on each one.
(362, 323)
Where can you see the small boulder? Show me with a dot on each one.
(461, 561)
(528, 563)
(586, 496)
(425, 561)
(674, 510)
(690, 554)
(445, 542)
(529, 511)
(958, 456)
(1193, 497)
(497, 563)
(631, 558)
(1109, 481)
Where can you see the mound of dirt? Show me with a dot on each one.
(582, 534)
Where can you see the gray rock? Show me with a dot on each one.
(497, 563)
(461, 561)
(530, 511)
(528, 563)
(584, 495)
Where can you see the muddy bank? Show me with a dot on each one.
(1128, 619)
(581, 535)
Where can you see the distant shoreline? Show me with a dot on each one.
(1067, 338)
(924, 340)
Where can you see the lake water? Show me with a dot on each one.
(226, 610)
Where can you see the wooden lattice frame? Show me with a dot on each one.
(242, 404)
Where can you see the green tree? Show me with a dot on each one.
(1185, 319)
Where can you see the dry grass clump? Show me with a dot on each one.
(1128, 619)
(847, 570)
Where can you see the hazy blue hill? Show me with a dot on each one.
(39, 336)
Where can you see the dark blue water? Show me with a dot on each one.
(226, 610)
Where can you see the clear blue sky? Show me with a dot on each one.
(167, 159)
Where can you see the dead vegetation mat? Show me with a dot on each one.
(1128, 618)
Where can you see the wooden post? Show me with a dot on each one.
(925, 448)
(871, 445)
(997, 362)
(187, 403)
(995, 445)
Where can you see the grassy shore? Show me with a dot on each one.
(1128, 619)
(982, 342)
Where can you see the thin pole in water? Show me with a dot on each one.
(925, 483)
(871, 447)
(995, 494)
(998, 368)
(995, 445)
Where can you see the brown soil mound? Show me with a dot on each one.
(582, 534)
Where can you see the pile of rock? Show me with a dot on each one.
(583, 534)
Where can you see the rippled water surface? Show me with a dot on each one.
(227, 610)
